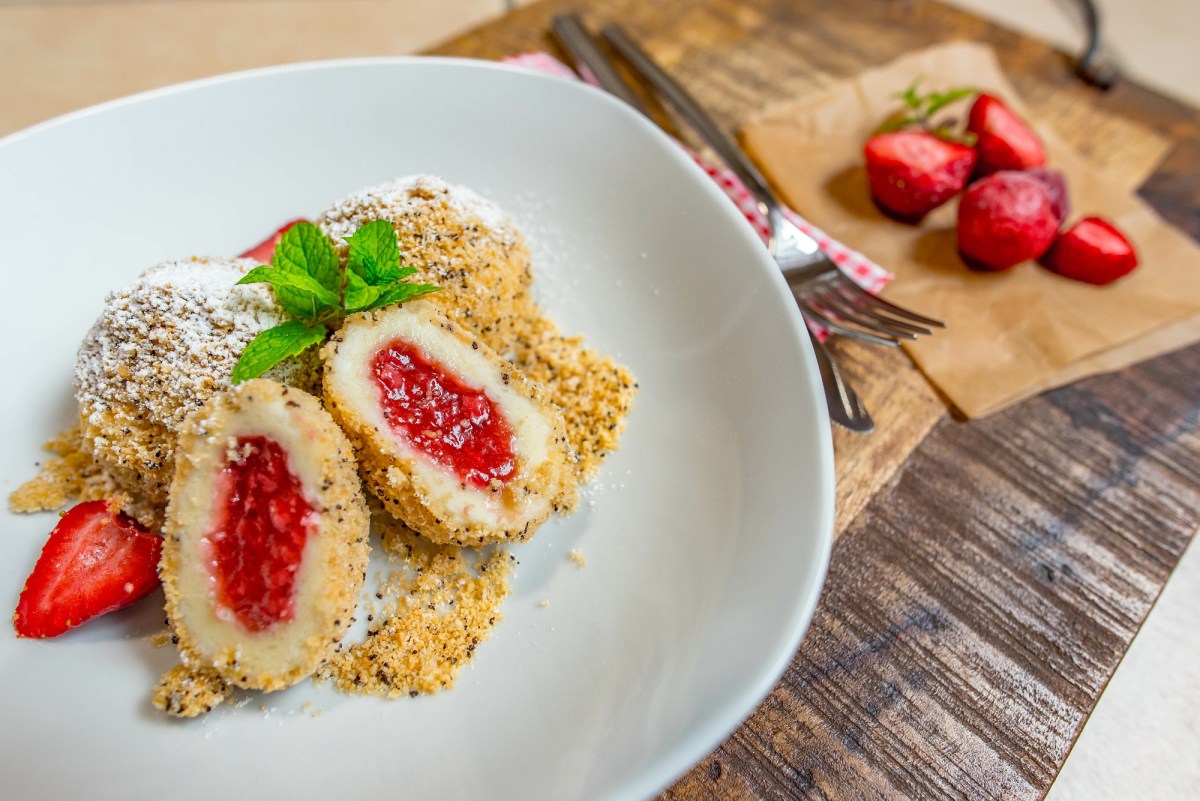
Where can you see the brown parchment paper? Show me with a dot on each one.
(1012, 334)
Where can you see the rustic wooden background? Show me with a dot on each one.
(988, 576)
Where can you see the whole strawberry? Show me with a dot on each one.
(263, 251)
(1056, 186)
(1005, 219)
(912, 172)
(1093, 250)
(1002, 139)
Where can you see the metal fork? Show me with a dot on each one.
(823, 291)
(845, 407)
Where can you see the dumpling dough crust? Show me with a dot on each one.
(413, 489)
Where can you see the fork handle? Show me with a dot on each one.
(576, 40)
(694, 115)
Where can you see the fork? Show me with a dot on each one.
(845, 407)
(824, 292)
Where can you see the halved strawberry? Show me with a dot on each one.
(1093, 250)
(263, 251)
(94, 562)
(913, 172)
(1003, 140)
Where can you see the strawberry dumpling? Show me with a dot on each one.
(266, 545)
(454, 441)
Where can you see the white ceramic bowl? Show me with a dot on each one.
(706, 536)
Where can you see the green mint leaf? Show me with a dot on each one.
(274, 345)
(304, 249)
(897, 122)
(375, 253)
(939, 100)
(910, 97)
(359, 294)
(400, 293)
(299, 293)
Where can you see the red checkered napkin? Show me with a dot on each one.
(865, 272)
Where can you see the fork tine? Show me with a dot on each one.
(853, 301)
(847, 282)
(831, 300)
(833, 325)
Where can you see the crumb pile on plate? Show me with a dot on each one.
(166, 345)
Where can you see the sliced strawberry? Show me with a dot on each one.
(1056, 186)
(263, 251)
(913, 172)
(1092, 250)
(1003, 140)
(1003, 220)
(94, 562)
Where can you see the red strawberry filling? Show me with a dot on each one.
(457, 426)
(257, 540)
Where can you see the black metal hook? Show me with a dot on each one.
(1092, 66)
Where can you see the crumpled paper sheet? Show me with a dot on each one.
(1011, 334)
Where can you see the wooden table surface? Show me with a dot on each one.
(988, 576)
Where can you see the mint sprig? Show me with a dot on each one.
(317, 289)
(919, 110)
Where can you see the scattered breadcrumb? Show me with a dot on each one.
(185, 692)
(594, 392)
(439, 605)
(162, 638)
(545, 602)
(578, 558)
(70, 474)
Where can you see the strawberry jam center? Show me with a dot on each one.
(455, 425)
(257, 540)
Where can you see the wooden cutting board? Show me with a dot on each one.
(988, 576)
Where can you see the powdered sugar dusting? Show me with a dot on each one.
(169, 341)
(394, 198)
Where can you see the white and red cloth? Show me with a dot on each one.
(865, 272)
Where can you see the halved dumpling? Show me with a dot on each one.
(454, 441)
(266, 547)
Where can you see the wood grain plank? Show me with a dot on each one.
(956, 655)
(991, 574)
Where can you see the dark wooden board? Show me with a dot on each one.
(989, 575)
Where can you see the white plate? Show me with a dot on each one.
(706, 536)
